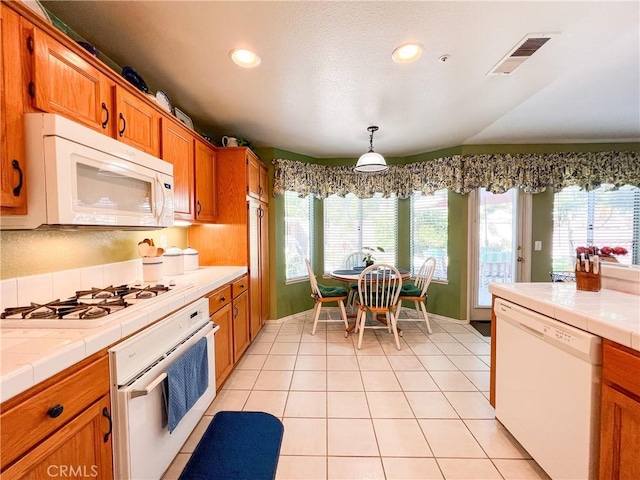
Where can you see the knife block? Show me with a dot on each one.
(588, 281)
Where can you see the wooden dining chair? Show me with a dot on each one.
(417, 292)
(353, 260)
(378, 291)
(324, 294)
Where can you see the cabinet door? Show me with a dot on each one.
(137, 122)
(80, 449)
(255, 277)
(241, 338)
(224, 343)
(13, 192)
(264, 184)
(177, 148)
(253, 175)
(620, 435)
(205, 173)
(264, 263)
(64, 83)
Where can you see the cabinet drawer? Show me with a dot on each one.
(34, 419)
(219, 298)
(620, 365)
(239, 286)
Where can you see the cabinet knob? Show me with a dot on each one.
(223, 299)
(55, 411)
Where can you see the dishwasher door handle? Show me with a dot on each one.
(531, 330)
(150, 387)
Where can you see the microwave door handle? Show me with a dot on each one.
(110, 171)
(150, 387)
(164, 200)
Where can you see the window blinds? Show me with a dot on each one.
(600, 217)
(351, 223)
(429, 231)
(298, 224)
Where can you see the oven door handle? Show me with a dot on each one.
(151, 386)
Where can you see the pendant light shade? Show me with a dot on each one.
(371, 161)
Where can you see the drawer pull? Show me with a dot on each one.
(223, 299)
(55, 411)
(105, 413)
(16, 190)
(124, 125)
(106, 110)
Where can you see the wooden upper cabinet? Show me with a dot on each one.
(177, 148)
(205, 182)
(13, 88)
(257, 178)
(253, 176)
(136, 122)
(64, 83)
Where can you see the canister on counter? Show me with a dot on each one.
(173, 261)
(191, 261)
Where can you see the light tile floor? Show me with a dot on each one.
(420, 412)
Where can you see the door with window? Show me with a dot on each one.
(500, 238)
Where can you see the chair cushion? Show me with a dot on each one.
(327, 291)
(410, 291)
(353, 285)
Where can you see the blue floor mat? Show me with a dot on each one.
(237, 446)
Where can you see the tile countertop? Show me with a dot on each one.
(29, 356)
(608, 313)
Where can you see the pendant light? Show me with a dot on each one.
(371, 161)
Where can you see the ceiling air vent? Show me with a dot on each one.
(520, 53)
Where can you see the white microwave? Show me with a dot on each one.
(77, 177)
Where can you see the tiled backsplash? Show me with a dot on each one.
(50, 286)
(46, 251)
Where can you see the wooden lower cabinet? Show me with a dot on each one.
(224, 343)
(241, 337)
(620, 413)
(229, 308)
(80, 449)
(60, 427)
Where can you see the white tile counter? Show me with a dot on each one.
(30, 355)
(609, 314)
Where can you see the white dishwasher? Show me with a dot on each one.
(548, 390)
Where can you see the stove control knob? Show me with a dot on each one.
(55, 411)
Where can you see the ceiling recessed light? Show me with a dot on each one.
(406, 53)
(244, 58)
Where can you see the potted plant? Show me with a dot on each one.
(368, 254)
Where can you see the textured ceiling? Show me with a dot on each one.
(327, 73)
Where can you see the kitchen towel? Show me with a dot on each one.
(237, 446)
(187, 380)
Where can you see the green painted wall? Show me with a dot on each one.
(448, 299)
(542, 229)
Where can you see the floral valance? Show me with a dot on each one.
(463, 174)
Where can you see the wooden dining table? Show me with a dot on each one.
(352, 275)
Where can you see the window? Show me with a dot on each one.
(298, 225)
(429, 231)
(601, 217)
(351, 223)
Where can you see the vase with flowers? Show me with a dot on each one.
(368, 254)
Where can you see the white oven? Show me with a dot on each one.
(143, 446)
